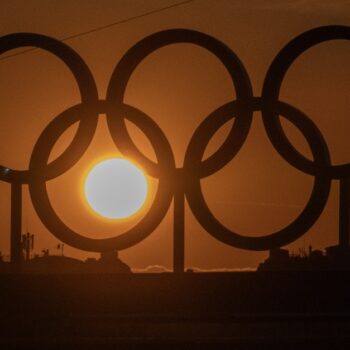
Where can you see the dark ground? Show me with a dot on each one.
(274, 310)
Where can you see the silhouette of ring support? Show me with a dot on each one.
(176, 183)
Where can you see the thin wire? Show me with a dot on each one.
(97, 29)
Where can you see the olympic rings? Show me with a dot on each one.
(171, 179)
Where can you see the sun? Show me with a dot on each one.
(115, 188)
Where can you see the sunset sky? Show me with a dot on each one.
(178, 86)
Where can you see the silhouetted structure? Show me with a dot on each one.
(334, 258)
(5, 267)
(48, 264)
(109, 262)
(216, 311)
(177, 183)
(27, 245)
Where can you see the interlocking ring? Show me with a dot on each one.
(300, 225)
(88, 93)
(270, 94)
(171, 179)
(41, 201)
(129, 62)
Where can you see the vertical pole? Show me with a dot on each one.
(344, 212)
(16, 226)
(28, 243)
(179, 231)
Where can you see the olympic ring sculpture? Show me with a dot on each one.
(185, 180)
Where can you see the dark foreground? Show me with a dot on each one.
(169, 311)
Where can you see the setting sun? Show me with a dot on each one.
(115, 188)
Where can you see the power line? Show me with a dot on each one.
(97, 29)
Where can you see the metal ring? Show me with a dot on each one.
(88, 92)
(289, 233)
(270, 96)
(135, 55)
(48, 216)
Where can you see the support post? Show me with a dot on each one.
(344, 212)
(16, 226)
(179, 231)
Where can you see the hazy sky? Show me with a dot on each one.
(178, 86)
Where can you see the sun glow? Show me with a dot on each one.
(115, 188)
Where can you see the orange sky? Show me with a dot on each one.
(178, 86)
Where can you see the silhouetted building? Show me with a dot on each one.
(109, 262)
(53, 264)
(4, 266)
(334, 258)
